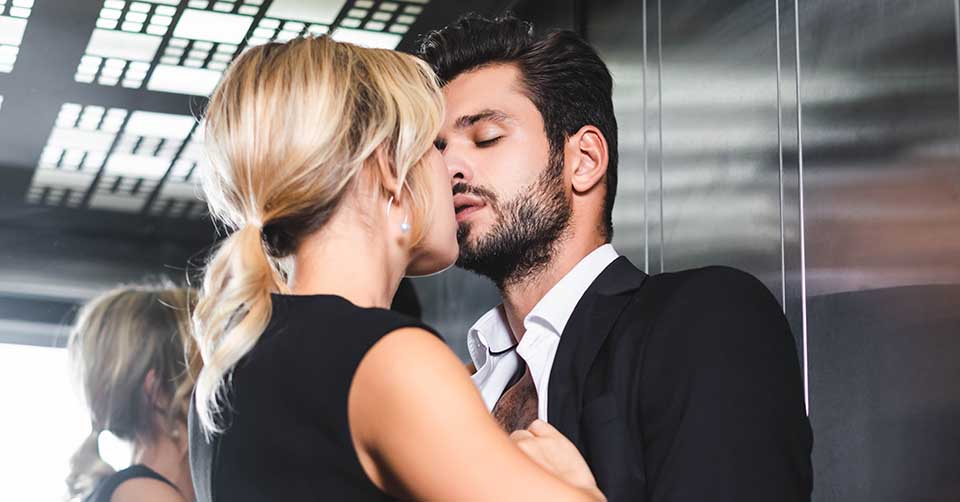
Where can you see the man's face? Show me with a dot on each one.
(509, 191)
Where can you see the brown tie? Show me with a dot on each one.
(517, 407)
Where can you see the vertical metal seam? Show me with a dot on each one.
(803, 244)
(660, 120)
(643, 125)
(783, 252)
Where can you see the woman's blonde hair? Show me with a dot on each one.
(289, 130)
(117, 339)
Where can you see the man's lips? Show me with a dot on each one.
(465, 213)
(464, 205)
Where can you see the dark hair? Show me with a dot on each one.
(563, 75)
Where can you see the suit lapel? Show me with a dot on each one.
(588, 327)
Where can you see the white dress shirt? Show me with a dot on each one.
(491, 344)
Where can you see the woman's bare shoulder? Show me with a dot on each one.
(146, 490)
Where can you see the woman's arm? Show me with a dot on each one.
(421, 430)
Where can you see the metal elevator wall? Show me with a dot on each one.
(815, 144)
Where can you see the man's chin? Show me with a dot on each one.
(466, 235)
(469, 256)
(467, 250)
(468, 238)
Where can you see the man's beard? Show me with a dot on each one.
(524, 238)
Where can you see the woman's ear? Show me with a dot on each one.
(385, 168)
(154, 391)
(150, 387)
(588, 155)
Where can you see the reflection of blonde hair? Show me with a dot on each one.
(289, 131)
(117, 339)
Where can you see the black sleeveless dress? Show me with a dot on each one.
(109, 484)
(287, 436)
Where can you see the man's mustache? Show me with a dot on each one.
(481, 192)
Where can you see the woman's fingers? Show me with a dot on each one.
(544, 430)
(520, 435)
(540, 428)
(545, 445)
(532, 447)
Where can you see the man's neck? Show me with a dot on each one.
(520, 297)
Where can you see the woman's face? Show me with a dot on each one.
(439, 249)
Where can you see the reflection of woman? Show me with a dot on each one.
(128, 347)
(323, 164)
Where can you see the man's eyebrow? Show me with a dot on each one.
(488, 114)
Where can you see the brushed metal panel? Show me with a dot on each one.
(881, 166)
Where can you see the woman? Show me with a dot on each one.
(322, 163)
(128, 348)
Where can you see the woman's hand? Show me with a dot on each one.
(550, 449)
(423, 451)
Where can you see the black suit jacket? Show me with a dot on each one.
(683, 386)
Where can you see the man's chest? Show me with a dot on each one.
(517, 407)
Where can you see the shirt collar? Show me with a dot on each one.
(491, 333)
(556, 307)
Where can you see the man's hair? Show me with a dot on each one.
(563, 76)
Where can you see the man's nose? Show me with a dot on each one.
(458, 166)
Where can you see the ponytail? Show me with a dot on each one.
(233, 310)
(87, 468)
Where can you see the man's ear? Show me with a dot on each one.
(587, 152)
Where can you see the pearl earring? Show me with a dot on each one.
(405, 225)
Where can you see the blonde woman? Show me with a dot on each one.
(129, 347)
(323, 166)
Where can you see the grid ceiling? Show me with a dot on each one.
(14, 15)
(136, 161)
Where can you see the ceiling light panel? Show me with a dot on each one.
(116, 160)
(125, 42)
(74, 154)
(379, 24)
(13, 23)
(288, 19)
(145, 149)
(166, 45)
(184, 47)
(180, 196)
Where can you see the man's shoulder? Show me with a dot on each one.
(695, 311)
(670, 297)
(703, 283)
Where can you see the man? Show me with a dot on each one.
(675, 387)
